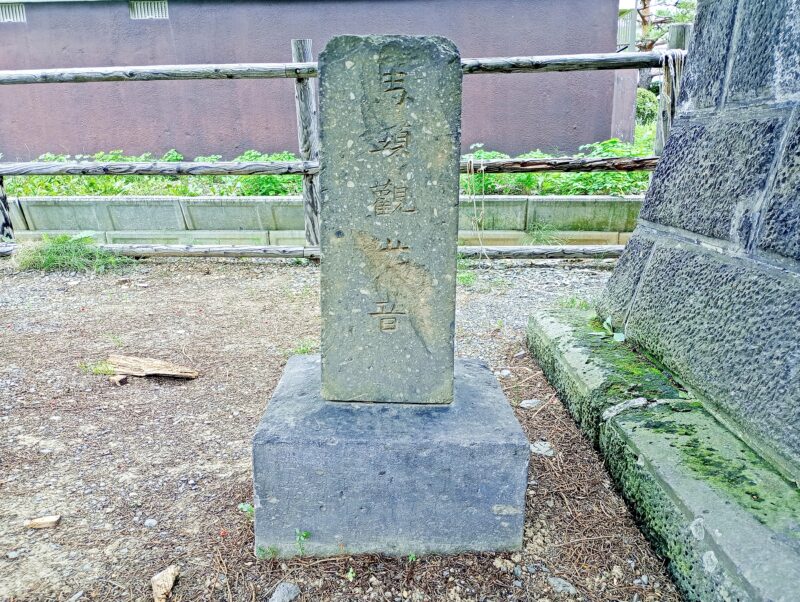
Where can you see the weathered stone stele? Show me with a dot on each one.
(390, 109)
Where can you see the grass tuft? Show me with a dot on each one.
(70, 254)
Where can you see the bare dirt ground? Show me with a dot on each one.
(112, 460)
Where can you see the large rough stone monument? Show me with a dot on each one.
(384, 443)
(709, 287)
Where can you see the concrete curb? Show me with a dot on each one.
(726, 520)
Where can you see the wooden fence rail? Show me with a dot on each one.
(514, 64)
(301, 69)
(281, 168)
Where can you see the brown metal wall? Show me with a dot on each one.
(514, 113)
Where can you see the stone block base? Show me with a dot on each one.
(388, 478)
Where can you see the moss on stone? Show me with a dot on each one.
(723, 461)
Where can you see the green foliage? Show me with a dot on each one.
(156, 185)
(101, 368)
(477, 183)
(68, 253)
(412, 557)
(248, 509)
(575, 303)
(350, 575)
(568, 184)
(304, 347)
(300, 538)
(646, 106)
(466, 277)
(263, 553)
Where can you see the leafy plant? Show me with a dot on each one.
(304, 347)
(350, 575)
(646, 106)
(69, 253)
(575, 303)
(412, 557)
(248, 509)
(300, 538)
(262, 553)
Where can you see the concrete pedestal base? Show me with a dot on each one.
(388, 478)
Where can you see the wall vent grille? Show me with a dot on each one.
(12, 13)
(156, 9)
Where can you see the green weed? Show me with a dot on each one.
(300, 538)
(69, 253)
(304, 347)
(575, 303)
(248, 509)
(101, 368)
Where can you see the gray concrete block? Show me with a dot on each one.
(388, 478)
(492, 213)
(289, 238)
(780, 230)
(227, 237)
(144, 213)
(287, 213)
(390, 119)
(590, 213)
(731, 329)
(229, 213)
(704, 76)
(31, 235)
(754, 72)
(713, 172)
(18, 220)
(65, 213)
(616, 298)
(146, 237)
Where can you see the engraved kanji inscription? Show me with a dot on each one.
(394, 83)
(387, 314)
(389, 197)
(392, 141)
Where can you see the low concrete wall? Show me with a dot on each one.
(491, 220)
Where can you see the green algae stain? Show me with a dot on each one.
(630, 374)
(726, 464)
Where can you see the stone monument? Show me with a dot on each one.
(384, 443)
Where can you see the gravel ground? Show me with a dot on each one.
(151, 473)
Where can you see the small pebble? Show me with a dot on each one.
(529, 404)
(517, 583)
(562, 586)
(285, 592)
(150, 523)
(542, 448)
(517, 571)
(12, 555)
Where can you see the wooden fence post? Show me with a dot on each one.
(680, 34)
(6, 228)
(308, 137)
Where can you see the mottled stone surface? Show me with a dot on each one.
(718, 302)
(389, 478)
(732, 333)
(780, 232)
(623, 282)
(390, 123)
(703, 81)
(713, 172)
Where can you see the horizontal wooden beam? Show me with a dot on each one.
(573, 62)
(158, 168)
(524, 252)
(279, 168)
(560, 164)
(512, 64)
(157, 72)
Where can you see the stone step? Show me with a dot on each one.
(726, 520)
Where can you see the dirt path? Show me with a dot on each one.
(112, 460)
